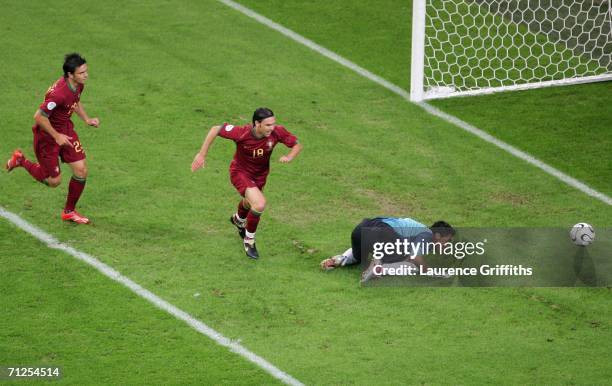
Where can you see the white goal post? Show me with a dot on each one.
(470, 47)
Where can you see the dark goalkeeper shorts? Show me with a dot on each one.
(369, 231)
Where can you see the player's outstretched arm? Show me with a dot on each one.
(45, 124)
(292, 154)
(200, 158)
(80, 110)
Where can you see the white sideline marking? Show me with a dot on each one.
(425, 106)
(516, 152)
(106, 270)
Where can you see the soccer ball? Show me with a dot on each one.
(582, 234)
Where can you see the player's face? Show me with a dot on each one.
(80, 74)
(265, 127)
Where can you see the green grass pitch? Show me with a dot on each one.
(162, 73)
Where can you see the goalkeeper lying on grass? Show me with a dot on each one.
(391, 240)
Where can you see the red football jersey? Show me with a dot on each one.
(253, 154)
(60, 101)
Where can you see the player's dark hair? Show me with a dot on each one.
(442, 228)
(262, 113)
(72, 62)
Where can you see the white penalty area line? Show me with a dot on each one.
(194, 323)
(425, 106)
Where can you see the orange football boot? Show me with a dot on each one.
(15, 160)
(75, 216)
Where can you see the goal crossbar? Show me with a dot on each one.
(472, 47)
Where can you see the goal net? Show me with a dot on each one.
(467, 47)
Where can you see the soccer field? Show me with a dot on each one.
(161, 74)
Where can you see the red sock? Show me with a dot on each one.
(242, 210)
(75, 188)
(252, 221)
(34, 169)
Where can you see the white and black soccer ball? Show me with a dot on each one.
(582, 234)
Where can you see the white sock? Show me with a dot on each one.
(347, 258)
(249, 235)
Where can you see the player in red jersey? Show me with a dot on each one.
(250, 167)
(54, 136)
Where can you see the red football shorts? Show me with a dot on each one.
(47, 151)
(242, 181)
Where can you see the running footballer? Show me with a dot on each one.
(250, 166)
(55, 138)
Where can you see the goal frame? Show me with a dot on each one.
(417, 68)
